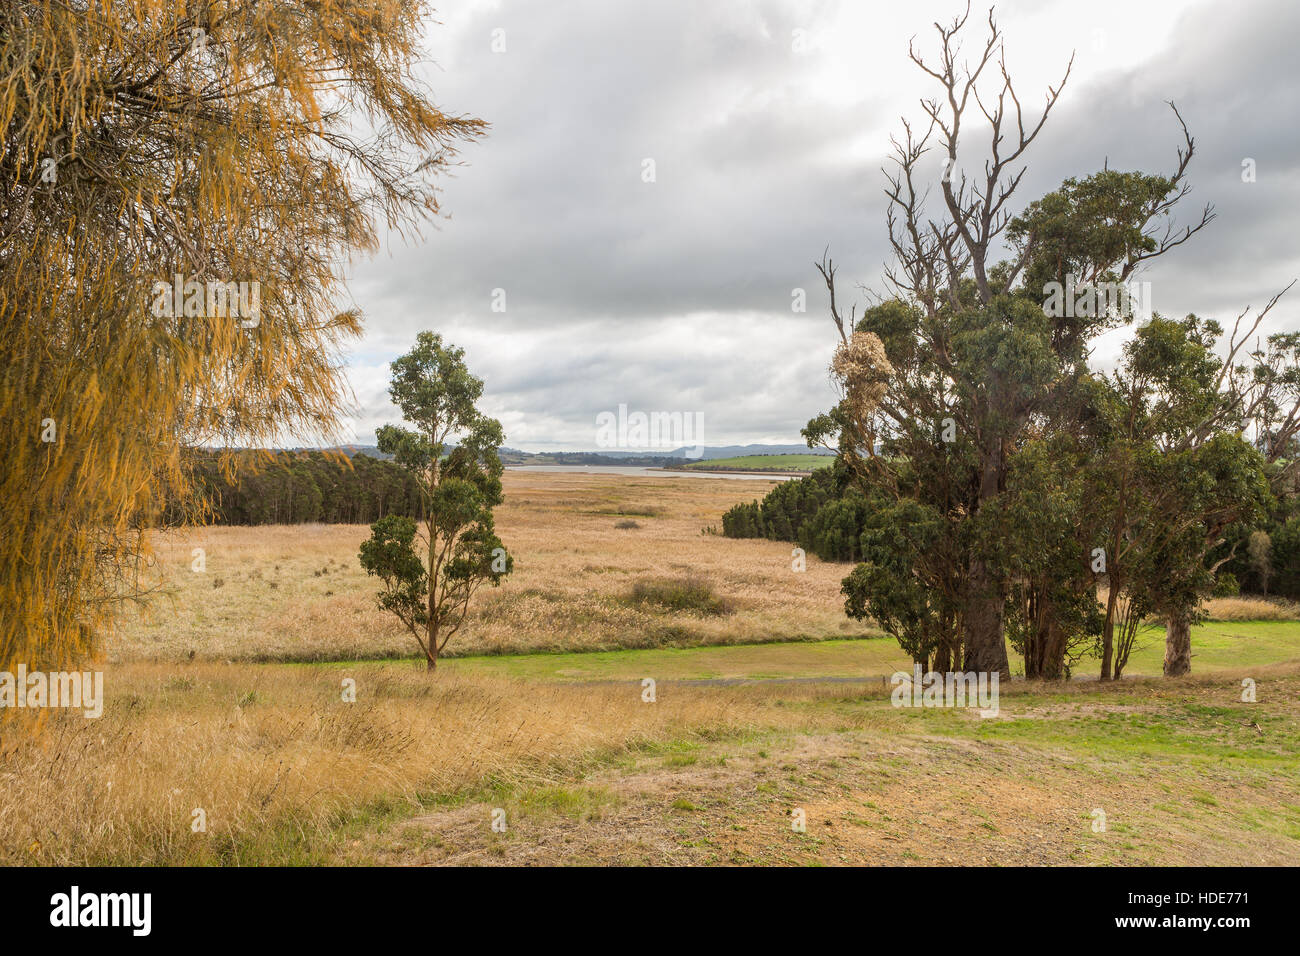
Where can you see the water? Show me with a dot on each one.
(635, 472)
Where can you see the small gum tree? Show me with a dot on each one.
(431, 568)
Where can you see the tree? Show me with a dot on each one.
(974, 365)
(1052, 615)
(900, 583)
(216, 140)
(1184, 418)
(431, 570)
(1259, 549)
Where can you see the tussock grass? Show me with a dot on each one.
(1251, 609)
(279, 763)
(691, 593)
(1239, 608)
(573, 570)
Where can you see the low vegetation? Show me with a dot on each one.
(276, 762)
(298, 593)
(691, 593)
(797, 464)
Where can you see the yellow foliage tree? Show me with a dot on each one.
(154, 156)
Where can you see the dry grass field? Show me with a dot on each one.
(298, 592)
(285, 771)
(227, 698)
(277, 761)
(1151, 773)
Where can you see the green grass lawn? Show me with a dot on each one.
(1221, 645)
(1216, 646)
(763, 463)
(856, 658)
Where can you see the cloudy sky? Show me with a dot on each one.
(767, 123)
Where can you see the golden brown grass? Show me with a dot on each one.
(287, 772)
(278, 761)
(1240, 608)
(1251, 609)
(1186, 772)
(298, 592)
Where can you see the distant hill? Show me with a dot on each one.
(727, 451)
(513, 456)
(372, 451)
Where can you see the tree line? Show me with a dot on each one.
(823, 514)
(296, 487)
(819, 512)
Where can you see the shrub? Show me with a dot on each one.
(679, 594)
(1226, 585)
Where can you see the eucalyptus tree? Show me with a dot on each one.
(431, 568)
(962, 364)
(1185, 415)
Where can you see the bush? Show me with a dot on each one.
(835, 531)
(1226, 585)
(626, 524)
(679, 594)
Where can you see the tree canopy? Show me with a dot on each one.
(211, 146)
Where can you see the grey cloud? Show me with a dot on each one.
(676, 295)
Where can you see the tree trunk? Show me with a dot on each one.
(431, 658)
(1108, 628)
(1035, 630)
(431, 661)
(986, 648)
(1054, 652)
(1178, 646)
(948, 653)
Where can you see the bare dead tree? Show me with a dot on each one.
(978, 211)
(1162, 206)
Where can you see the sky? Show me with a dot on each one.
(767, 124)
